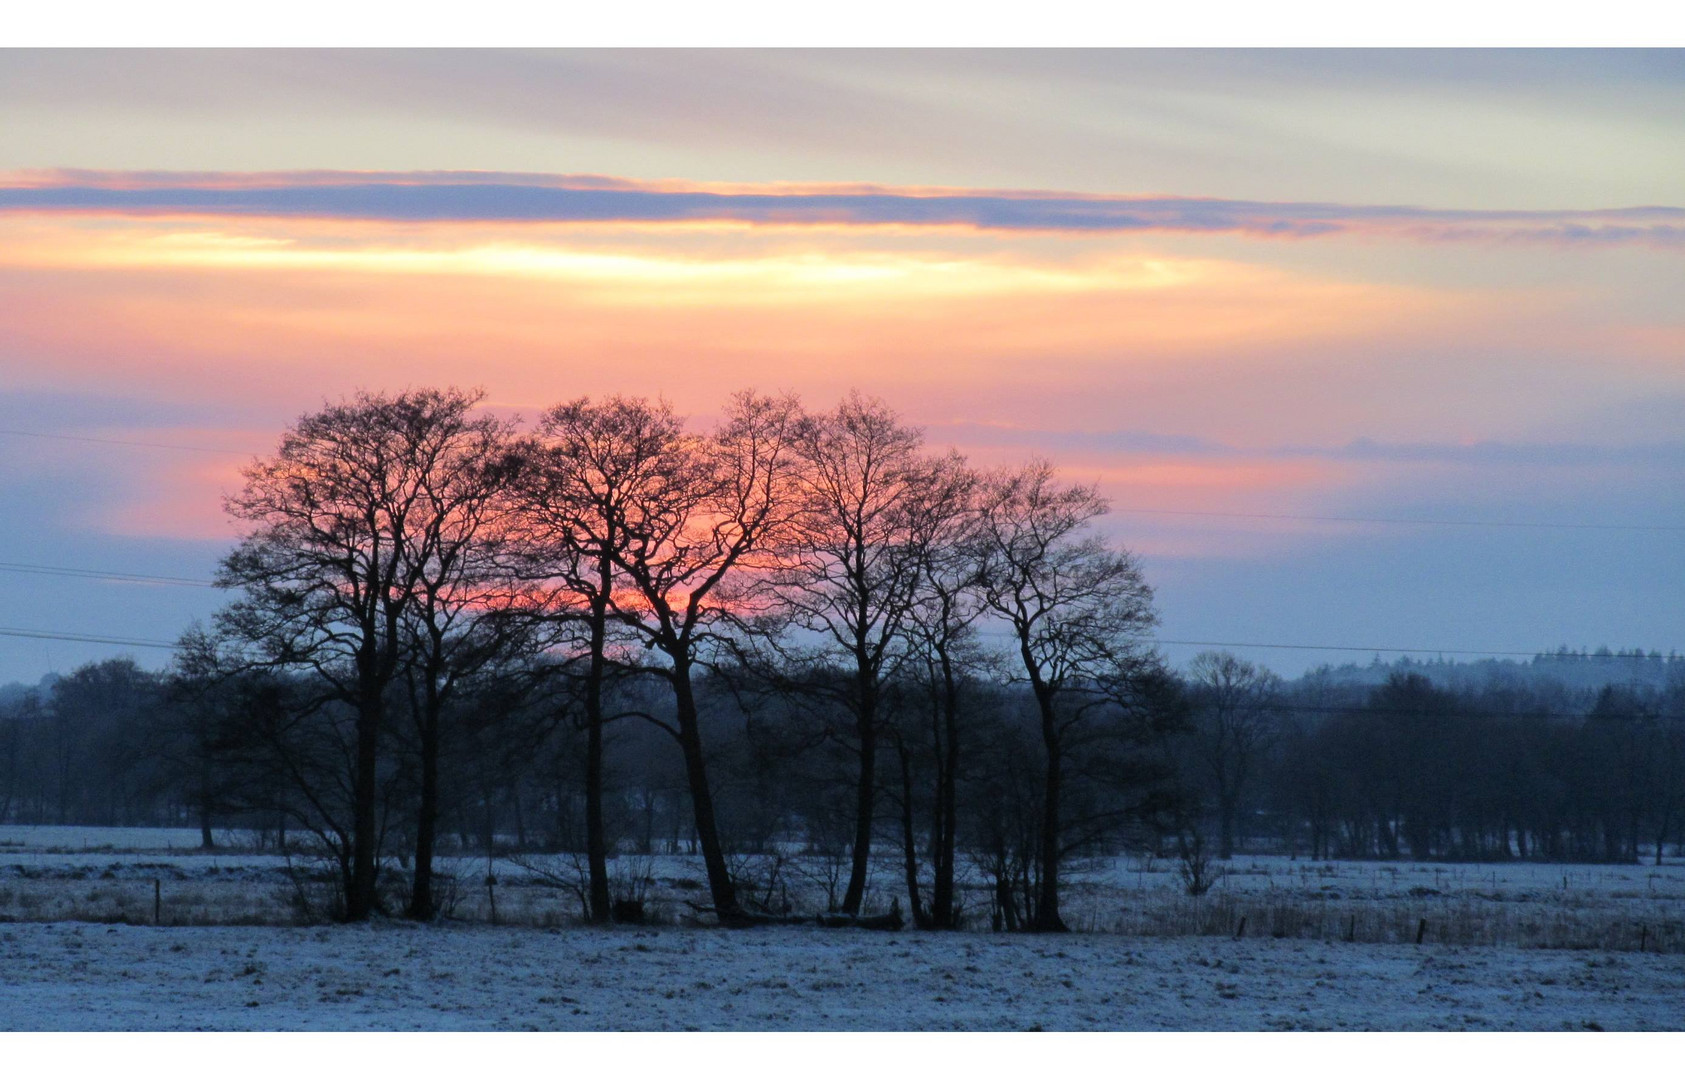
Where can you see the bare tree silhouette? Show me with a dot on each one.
(1078, 610)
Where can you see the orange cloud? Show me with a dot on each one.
(532, 313)
(269, 317)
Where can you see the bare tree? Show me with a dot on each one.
(946, 605)
(701, 508)
(199, 729)
(325, 566)
(852, 572)
(597, 468)
(1077, 609)
(1234, 724)
(462, 613)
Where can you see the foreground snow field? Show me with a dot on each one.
(402, 977)
(1326, 946)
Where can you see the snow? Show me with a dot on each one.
(401, 977)
(95, 838)
(1519, 904)
(1152, 957)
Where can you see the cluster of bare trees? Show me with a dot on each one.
(401, 547)
(790, 632)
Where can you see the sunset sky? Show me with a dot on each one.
(1375, 349)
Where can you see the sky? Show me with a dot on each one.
(1373, 349)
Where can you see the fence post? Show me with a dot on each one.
(1421, 930)
(157, 902)
(1240, 931)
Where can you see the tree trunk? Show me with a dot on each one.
(427, 815)
(596, 841)
(947, 771)
(208, 842)
(360, 895)
(720, 887)
(1047, 918)
(909, 843)
(1006, 905)
(866, 730)
(488, 817)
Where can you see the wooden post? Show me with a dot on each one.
(157, 902)
(1240, 931)
(1351, 928)
(491, 896)
(1643, 937)
(1421, 930)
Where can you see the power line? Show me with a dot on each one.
(120, 442)
(95, 639)
(1355, 709)
(164, 579)
(1537, 653)
(1405, 521)
(1546, 654)
(1351, 648)
(1531, 654)
(1350, 710)
(1447, 522)
(1542, 653)
(1455, 523)
(1460, 714)
(105, 575)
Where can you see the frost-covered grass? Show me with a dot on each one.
(1326, 946)
(1518, 904)
(393, 976)
(109, 875)
(93, 838)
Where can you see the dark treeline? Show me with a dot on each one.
(793, 633)
(1484, 761)
(1322, 767)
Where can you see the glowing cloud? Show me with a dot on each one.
(506, 197)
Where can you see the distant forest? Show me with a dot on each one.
(795, 633)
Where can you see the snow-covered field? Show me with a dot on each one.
(89, 838)
(1325, 945)
(399, 977)
(116, 875)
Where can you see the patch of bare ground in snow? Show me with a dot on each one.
(401, 977)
